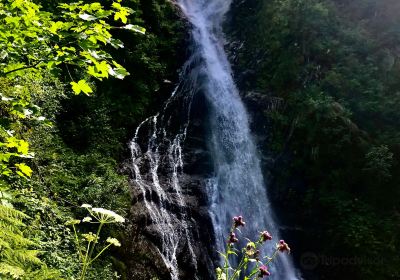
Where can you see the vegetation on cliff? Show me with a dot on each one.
(333, 67)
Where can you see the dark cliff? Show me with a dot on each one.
(320, 79)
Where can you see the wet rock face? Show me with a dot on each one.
(146, 241)
(186, 209)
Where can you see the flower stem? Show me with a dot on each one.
(226, 262)
(98, 255)
(78, 243)
(85, 262)
(238, 268)
(270, 260)
(95, 241)
(89, 252)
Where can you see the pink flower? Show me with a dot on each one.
(265, 236)
(283, 246)
(232, 238)
(263, 271)
(238, 221)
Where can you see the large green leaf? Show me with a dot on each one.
(81, 86)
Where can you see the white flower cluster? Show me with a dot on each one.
(104, 215)
(87, 219)
(114, 242)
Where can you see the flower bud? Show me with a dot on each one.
(263, 271)
(283, 246)
(238, 221)
(265, 236)
(232, 238)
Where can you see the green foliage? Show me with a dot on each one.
(76, 35)
(379, 161)
(47, 227)
(335, 138)
(69, 37)
(44, 47)
(16, 108)
(18, 259)
(32, 39)
(39, 46)
(75, 178)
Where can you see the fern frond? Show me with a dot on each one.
(5, 224)
(4, 244)
(8, 271)
(17, 260)
(21, 257)
(44, 273)
(7, 212)
(15, 239)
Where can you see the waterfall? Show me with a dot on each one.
(237, 186)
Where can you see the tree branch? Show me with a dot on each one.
(22, 68)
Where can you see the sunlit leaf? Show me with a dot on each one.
(135, 28)
(87, 17)
(116, 43)
(26, 170)
(81, 86)
(121, 15)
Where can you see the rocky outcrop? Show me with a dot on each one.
(187, 211)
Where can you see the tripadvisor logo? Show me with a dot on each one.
(310, 260)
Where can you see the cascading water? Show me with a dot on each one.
(237, 186)
(164, 148)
